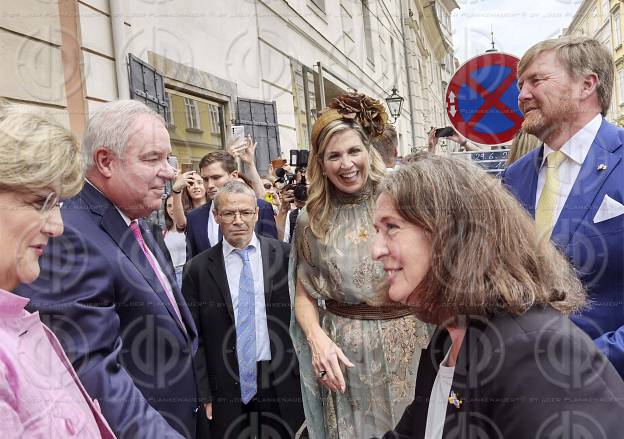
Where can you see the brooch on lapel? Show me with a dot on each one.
(454, 400)
(601, 167)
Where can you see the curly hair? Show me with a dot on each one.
(38, 152)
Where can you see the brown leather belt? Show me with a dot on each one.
(362, 311)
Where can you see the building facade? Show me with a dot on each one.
(268, 65)
(601, 19)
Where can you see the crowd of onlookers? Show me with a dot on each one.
(344, 298)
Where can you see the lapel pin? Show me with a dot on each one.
(454, 400)
(601, 167)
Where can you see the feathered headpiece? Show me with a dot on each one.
(369, 113)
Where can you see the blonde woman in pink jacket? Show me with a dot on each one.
(40, 393)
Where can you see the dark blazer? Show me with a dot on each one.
(99, 295)
(531, 376)
(205, 287)
(595, 249)
(197, 227)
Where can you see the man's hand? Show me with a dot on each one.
(208, 409)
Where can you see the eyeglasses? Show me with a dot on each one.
(228, 217)
(48, 203)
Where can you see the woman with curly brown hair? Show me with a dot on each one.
(357, 353)
(505, 361)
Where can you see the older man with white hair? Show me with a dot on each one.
(106, 290)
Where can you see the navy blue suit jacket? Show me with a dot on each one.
(100, 296)
(197, 227)
(595, 249)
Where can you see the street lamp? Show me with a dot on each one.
(395, 102)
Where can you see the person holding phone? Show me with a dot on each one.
(448, 132)
(187, 193)
(244, 150)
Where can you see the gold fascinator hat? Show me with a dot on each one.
(367, 112)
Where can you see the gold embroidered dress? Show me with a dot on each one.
(385, 352)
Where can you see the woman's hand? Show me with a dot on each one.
(246, 150)
(182, 180)
(326, 361)
(432, 140)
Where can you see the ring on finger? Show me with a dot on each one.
(322, 374)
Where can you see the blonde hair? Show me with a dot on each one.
(319, 205)
(522, 144)
(38, 152)
(487, 257)
(581, 56)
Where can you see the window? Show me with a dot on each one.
(368, 32)
(595, 20)
(169, 110)
(617, 27)
(621, 77)
(192, 114)
(215, 118)
(605, 10)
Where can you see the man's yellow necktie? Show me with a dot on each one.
(547, 204)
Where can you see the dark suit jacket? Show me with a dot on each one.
(531, 376)
(595, 249)
(197, 227)
(99, 295)
(206, 289)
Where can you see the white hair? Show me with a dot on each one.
(111, 127)
(233, 187)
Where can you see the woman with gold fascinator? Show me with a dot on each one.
(358, 353)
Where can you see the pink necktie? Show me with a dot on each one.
(136, 231)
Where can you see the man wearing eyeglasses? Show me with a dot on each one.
(202, 231)
(238, 295)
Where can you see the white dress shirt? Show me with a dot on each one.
(575, 151)
(287, 227)
(233, 269)
(213, 227)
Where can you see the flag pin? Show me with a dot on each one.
(602, 167)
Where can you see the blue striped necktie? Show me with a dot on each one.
(246, 330)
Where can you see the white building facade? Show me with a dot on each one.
(269, 65)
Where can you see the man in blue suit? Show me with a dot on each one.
(202, 232)
(574, 183)
(106, 290)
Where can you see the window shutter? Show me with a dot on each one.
(147, 86)
(260, 120)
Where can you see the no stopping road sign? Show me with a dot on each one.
(482, 99)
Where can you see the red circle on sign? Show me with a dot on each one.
(491, 100)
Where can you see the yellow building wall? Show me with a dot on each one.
(190, 145)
